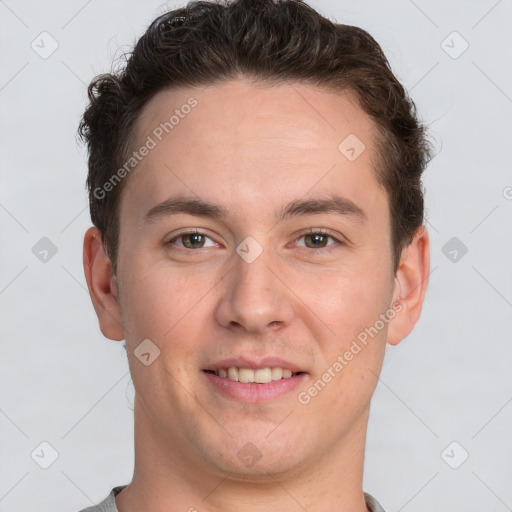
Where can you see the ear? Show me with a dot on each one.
(102, 285)
(410, 286)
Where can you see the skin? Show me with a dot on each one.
(252, 149)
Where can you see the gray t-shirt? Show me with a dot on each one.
(109, 503)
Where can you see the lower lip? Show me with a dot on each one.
(253, 392)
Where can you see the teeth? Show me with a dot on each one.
(260, 376)
(245, 375)
(277, 373)
(263, 375)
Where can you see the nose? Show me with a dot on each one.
(256, 298)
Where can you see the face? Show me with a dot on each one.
(277, 255)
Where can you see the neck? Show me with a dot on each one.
(166, 479)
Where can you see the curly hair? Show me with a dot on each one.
(271, 41)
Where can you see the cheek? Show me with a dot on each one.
(352, 347)
(346, 300)
(173, 310)
(166, 309)
(158, 301)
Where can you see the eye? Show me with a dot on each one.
(317, 239)
(192, 240)
(313, 239)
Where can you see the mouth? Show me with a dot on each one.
(254, 375)
(253, 380)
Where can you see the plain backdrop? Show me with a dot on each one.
(439, 436)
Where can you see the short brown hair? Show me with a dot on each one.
(272, 41)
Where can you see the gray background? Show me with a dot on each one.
(64, 384)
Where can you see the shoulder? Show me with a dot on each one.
(108, 504)
(372, 504)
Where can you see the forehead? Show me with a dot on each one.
(285, 113)
(241, 141)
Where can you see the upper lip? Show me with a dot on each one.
(255, 363)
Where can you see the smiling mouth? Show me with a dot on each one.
(258, 376)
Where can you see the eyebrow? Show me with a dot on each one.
(193, 206)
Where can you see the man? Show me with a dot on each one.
(255, 187)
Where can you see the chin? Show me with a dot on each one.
(259, 461)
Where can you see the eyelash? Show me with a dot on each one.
(311, 231)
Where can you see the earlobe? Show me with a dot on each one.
(102, 285)
(411, 283)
